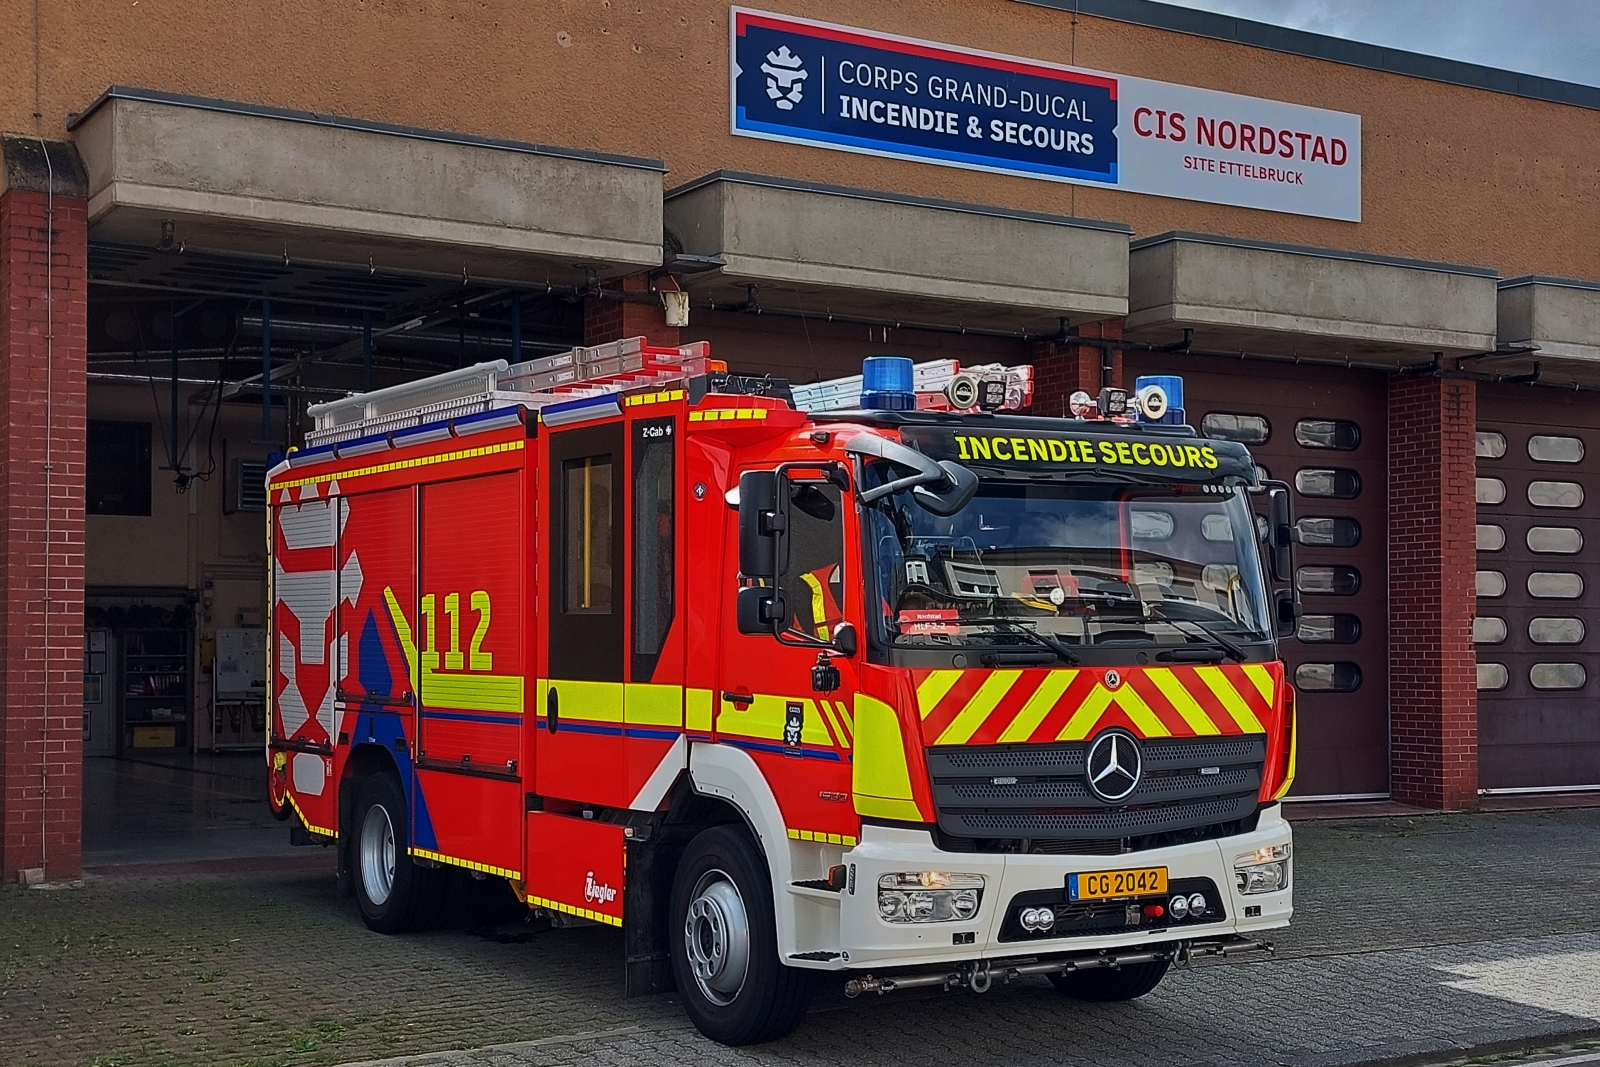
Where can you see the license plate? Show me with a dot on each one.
(1110, 885)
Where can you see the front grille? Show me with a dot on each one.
(1040, 793)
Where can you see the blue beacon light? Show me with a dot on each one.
(887, 384)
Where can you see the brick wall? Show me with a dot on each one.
(1433, 723)
(42, 362)
(611, 320)
(1062, 367)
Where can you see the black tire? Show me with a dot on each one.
(414, 894)
(770, 999)
(1105, 985)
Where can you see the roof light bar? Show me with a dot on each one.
(939, 385)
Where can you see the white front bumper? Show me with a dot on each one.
(867, 940)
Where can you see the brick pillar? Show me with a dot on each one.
(1433, 691)
(606, 319)
(1062, 367)
(43, 342)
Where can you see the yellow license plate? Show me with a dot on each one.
(1110, 885)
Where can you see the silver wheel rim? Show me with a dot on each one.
(716, 935)
(377, 854)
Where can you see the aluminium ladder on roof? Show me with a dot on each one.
(579, 372)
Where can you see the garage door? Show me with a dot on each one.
(1324, 432)
(1538, 575)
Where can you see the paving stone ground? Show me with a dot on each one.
(1414, 937)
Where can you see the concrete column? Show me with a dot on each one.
(43, 343)
(1062, 367)
(1433, 701)
(606, 319)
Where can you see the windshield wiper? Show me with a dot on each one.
(1233, 651)
(1053, 643)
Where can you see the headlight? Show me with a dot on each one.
(928, 896)
(1266, 870)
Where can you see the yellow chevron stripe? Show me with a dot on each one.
(1262, 679)
(979, 708)
(582, 913)
(933, 689)
(1182, 700)
(822, 838)
(1235, 704)
(839, 735)
(1133, 705)
(306, 822)
(1038, 706)
(398, 465)
(440, 857)
(1088, 713)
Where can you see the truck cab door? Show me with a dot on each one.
(767, 703)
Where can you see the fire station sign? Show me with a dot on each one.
(853, 90)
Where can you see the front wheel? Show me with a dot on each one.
(394, 893)
(1104, 986)
(725, 944)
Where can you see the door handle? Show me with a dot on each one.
(737, 698)
(552, 710)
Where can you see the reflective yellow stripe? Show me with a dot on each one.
(473, 692)
(697, 710)
(1262, 678)
(1087, 715)
(654, 398)
(725, 414)
(1183, 701)
(1294, 751)
(440, 857)
(880, 778)
(647, 704)
(584, 701)
(840, 737)
(307, 822)
(933, 689)
(984, 701)
(582, 913)
(399, 465)
(1038, 706)
(1218, 683)
(402, 629)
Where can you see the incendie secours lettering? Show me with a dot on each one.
(1020, 449)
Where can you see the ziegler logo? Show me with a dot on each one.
(597, 892)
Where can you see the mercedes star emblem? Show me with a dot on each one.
(1114, 766)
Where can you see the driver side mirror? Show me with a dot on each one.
(761, 522)
(1280, 534)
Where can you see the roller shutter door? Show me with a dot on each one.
(1538, 491)
(1323, 431)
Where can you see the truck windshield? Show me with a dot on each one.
(1080, 564)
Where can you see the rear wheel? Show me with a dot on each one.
(1104, 985)
(725, 944)
(394, 893)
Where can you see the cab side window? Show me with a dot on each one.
(812, 580)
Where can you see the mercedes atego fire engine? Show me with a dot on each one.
(871, 678)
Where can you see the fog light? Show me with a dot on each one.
(1197, 904)
(1082, 404)
(929, 896)
(1037, 920)
(1178, 906)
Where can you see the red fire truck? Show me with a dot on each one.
(872, 677)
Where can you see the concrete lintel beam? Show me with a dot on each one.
(1560, 315)
(1243, 294)
(824, 249)
(241, 179)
